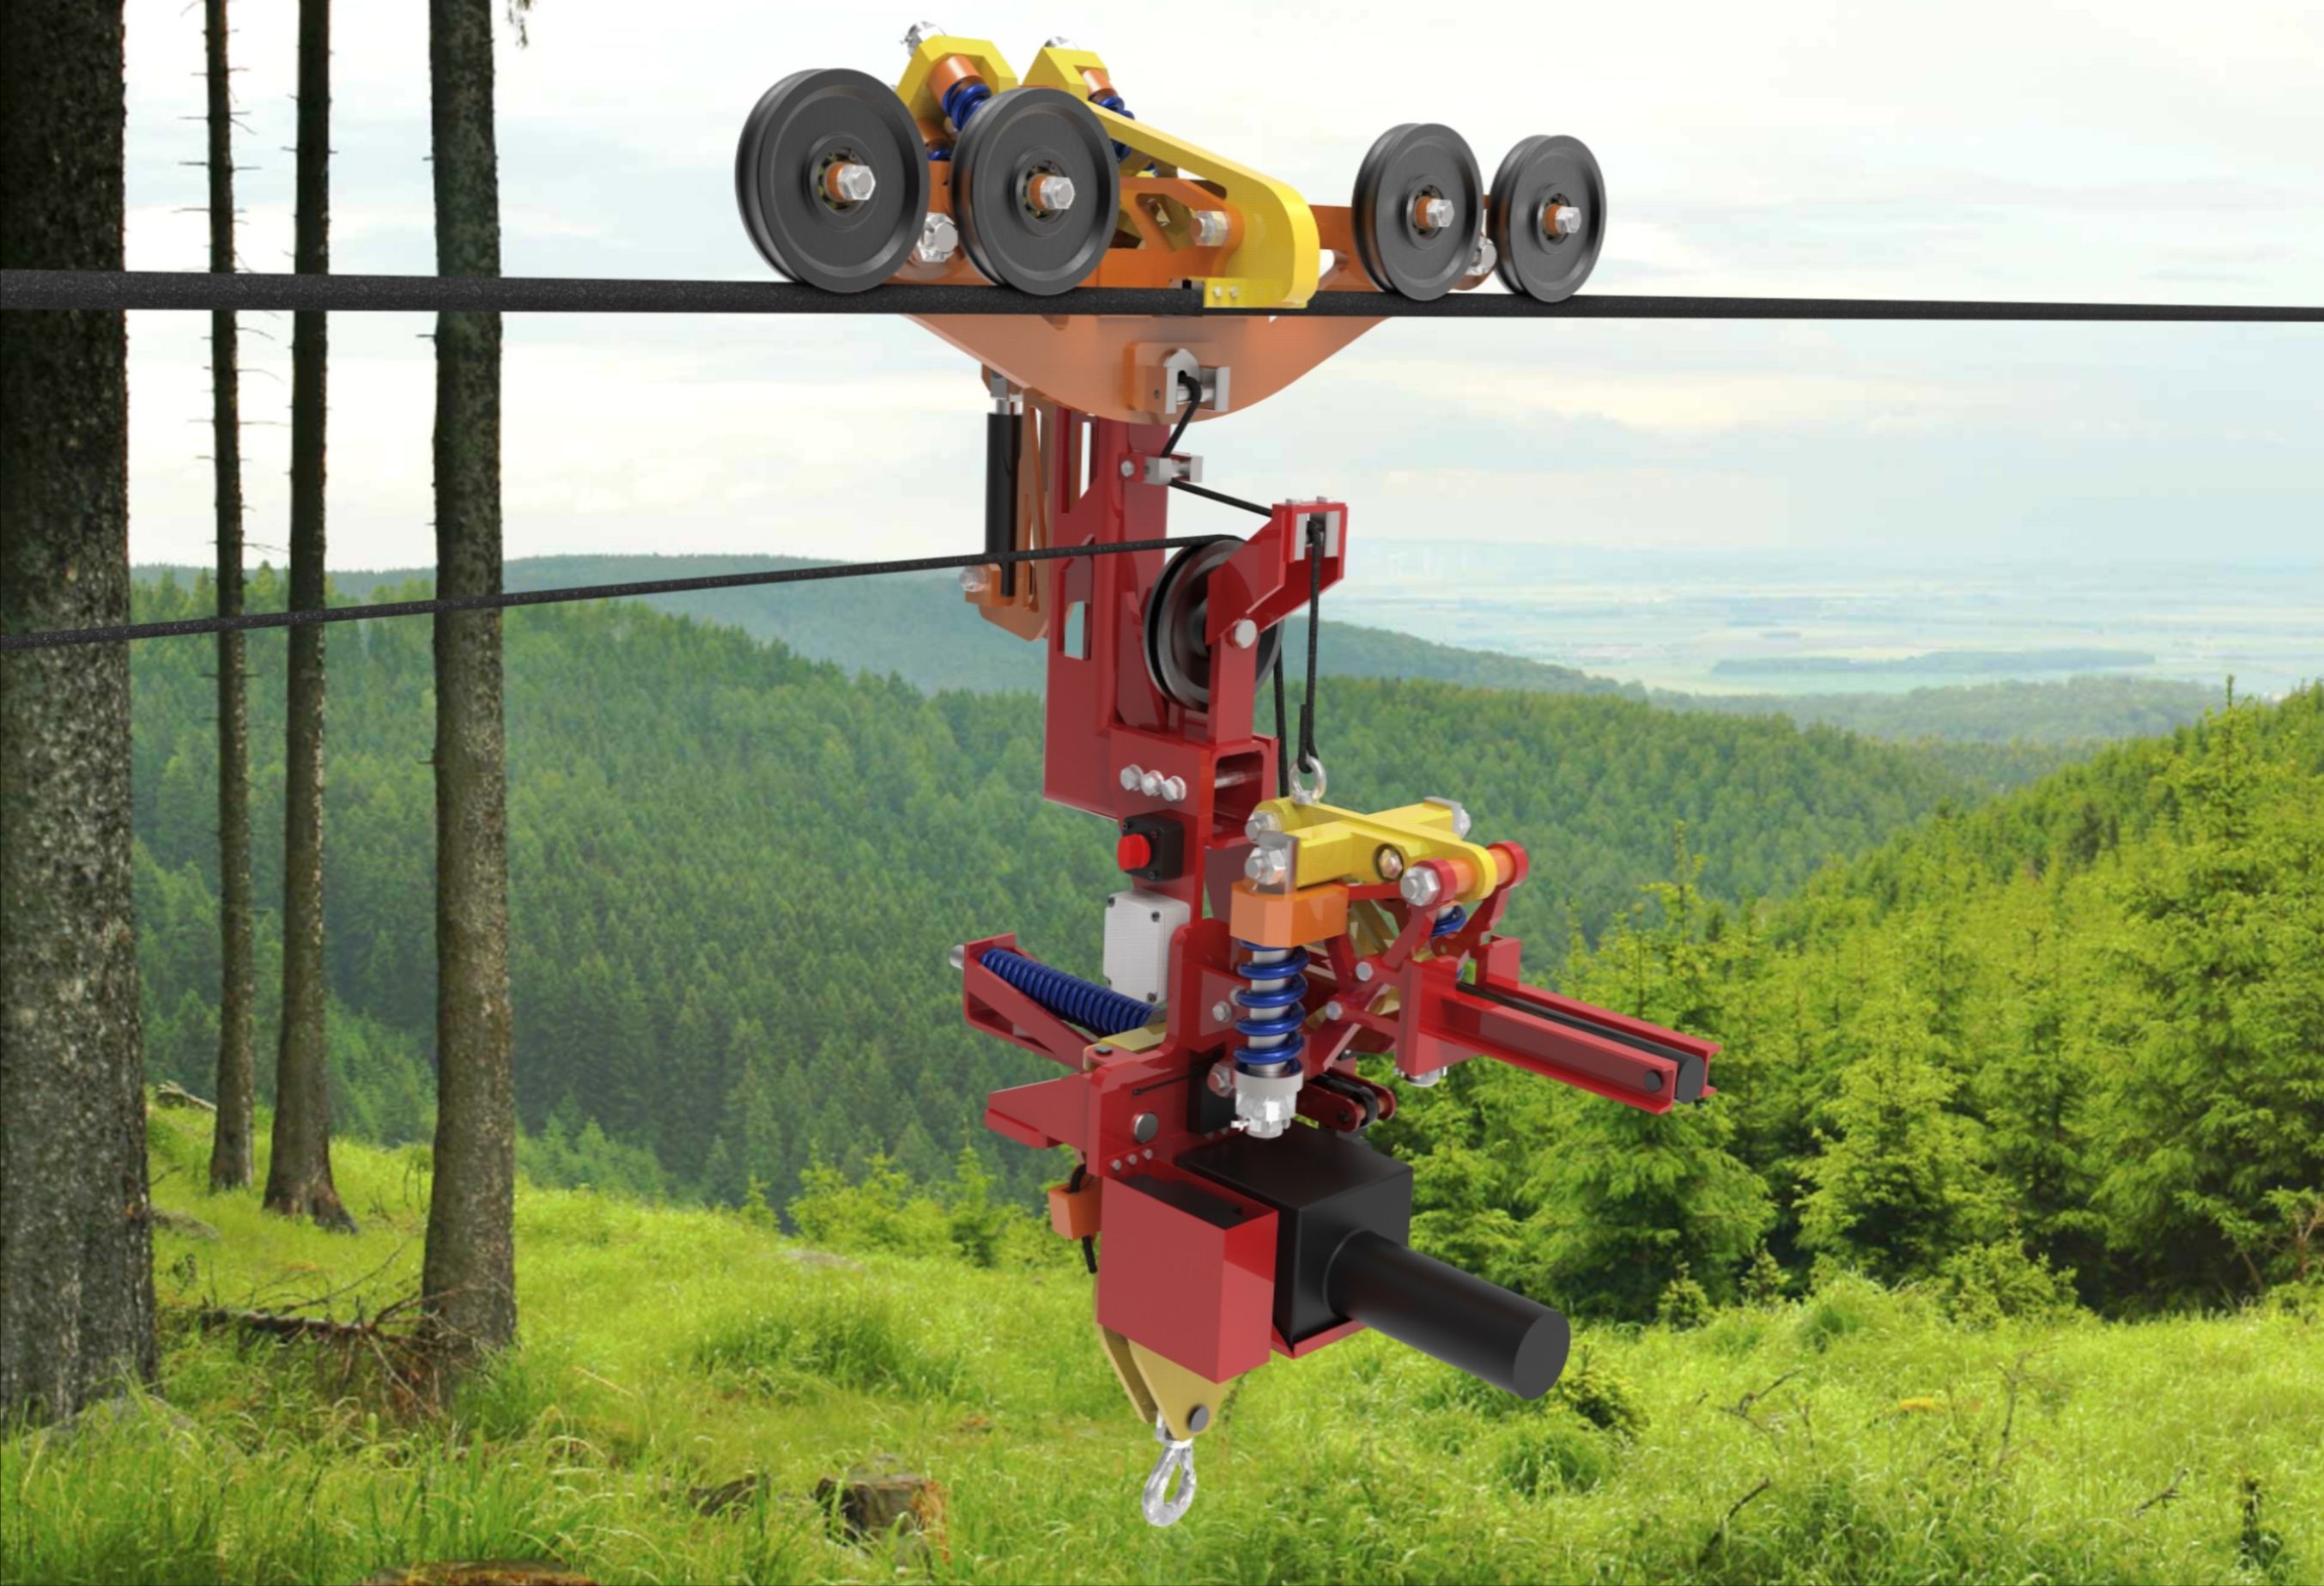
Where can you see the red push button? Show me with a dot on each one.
(1134, 851)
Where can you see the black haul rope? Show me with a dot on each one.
(414, 294)
(57, 637)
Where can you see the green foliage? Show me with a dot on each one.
(734, 872)
(1600, 1395)
(1982, 1284)
(1684, 1303)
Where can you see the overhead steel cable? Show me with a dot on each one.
(105, 289)
(126, 631)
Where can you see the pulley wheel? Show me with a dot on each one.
(1178, 613)
(1020, 226)
(1549, 216)
(808, 150)
(1419, 202)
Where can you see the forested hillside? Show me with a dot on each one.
(2070, 1043)
(917, 627)
(736, 872)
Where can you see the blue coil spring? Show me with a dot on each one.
(963, 100)
(1109, 100)
(1275, 1011)
(1099, 1009)
(1451, 920)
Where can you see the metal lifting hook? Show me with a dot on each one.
(1178, 1458)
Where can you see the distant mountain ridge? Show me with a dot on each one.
(915, 626)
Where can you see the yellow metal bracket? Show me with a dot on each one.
(1345, 845)
(923, 99)
(1157, 1387)
(1274, 265)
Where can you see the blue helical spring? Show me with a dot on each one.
(1451, 920)
(1096, 1008)
(1109, 100)
(962, 101)
(1275, 1011)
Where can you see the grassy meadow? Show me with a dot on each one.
(1855, 1436)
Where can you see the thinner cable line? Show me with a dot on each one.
(56, 638)
(107, 290)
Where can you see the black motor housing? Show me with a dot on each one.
(1342, 1253)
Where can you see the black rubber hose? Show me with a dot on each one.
(1003, 434)
(1453, 1316)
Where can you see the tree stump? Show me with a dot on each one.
(882, 1498)
(170, 1093)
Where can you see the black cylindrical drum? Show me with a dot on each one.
(1003, 435)
(1482, 1328)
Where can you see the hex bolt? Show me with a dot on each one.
(1387, 863)
(1261, 821)
(1560, 221)
(1364, 971)
(1267, 867)
(1150, 784)
(939, 240)
(957, 957)
(1220, 1013)
(919, 30)
(1209, 228)
(851, 183)
(1145, 1126)
(1058, 43)
(1422, 887)
(1222, 1079)
(1130, 777)
(1332, 1009)
(1128, 468)
(972, 581)
(1173, 789)
(1052, 193)
(1434, 213)
(1243, 634)
(1484, 257)
(1423, 1080)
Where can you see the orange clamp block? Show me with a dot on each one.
(1288, 919)
(1074, 1213)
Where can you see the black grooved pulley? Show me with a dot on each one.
(1543, 178)
(792, 179)
(1178, 614)
(1406, 243)
(1004, 164)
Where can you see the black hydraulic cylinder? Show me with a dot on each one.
(1480, 1328)
(1003, 434)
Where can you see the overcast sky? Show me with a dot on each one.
(2131, 149)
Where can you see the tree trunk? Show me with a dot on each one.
(76, 1243)
(299, 1178)
(470, 1270)
(230, 1142)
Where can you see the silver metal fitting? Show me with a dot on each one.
(1130, 777)
(1261, 822)
(1561, 221)
(1423, 1080)
(1162, 470)
(853, 182)
(1052, 193)
(1266, 1104)
(1483, 258)
(1059, 42)
(972, 581)
(1460, 814)
(1421, 887)
(1128, 468)
(1209, 228)
(1152, 784)
(1435, 214)
(1270, 865)
(1222, 1012)
(957, 956)
(939, 240)
(919, 31)
(1364, 971)
(1332, 1009)
(1243, 634)
(1174, 790)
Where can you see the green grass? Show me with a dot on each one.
(666, 1348)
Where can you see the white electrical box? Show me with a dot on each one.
(1138, 930)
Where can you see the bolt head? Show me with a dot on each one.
(1562, 221)
(1220, 1013)
(1243, 634)
(920, 31)
(1261, 821)
(1150, 784)
(1211, 227)
(1421, 887)
(1388, 863)
(1128, 468)
(1145, 1126)
(1052, 193)
(1435, 214)
(1173, 789)
(1423, 1080)
(1267, 867)
(939, 240)
(853, 182)
(957, 957)
(1222, 1081)
(1059, 42)
(971, 580)
(1332, 1009)
(1130, 777)
(1364, 971)
(1484, 257)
